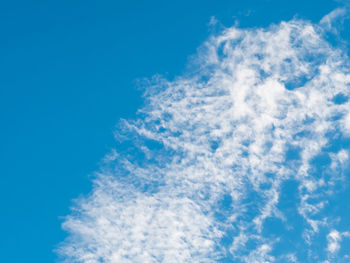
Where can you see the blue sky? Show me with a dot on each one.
(70, 72)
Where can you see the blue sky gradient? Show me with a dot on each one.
(71, 71)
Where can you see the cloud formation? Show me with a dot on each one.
(233, 161)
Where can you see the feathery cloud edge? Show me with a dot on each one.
(204, 167)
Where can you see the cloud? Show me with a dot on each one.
(210, 158)
(333, 17)
(334, 239)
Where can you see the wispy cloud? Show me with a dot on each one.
(337, 15)
(334, 239)
(211, 153)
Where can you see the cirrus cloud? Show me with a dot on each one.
(206, 172)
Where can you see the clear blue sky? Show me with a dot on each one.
(69, 72)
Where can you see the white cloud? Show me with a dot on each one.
(328, 20)
(334, 239)
(223, 131)
(346, 123)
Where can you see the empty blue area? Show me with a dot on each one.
(225, 244)
(252, 203)
(319, 165)
(340, 99)
(214, 145)
(297, 82)
(337, 142)
(68, 74)
(293, 153)
(339, 205)
(290, 228)
(226, 202)
(224, 208)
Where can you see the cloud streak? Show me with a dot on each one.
(207, 165)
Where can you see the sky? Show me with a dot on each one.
(174, 131)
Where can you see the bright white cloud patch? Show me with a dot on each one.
(234, 161)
